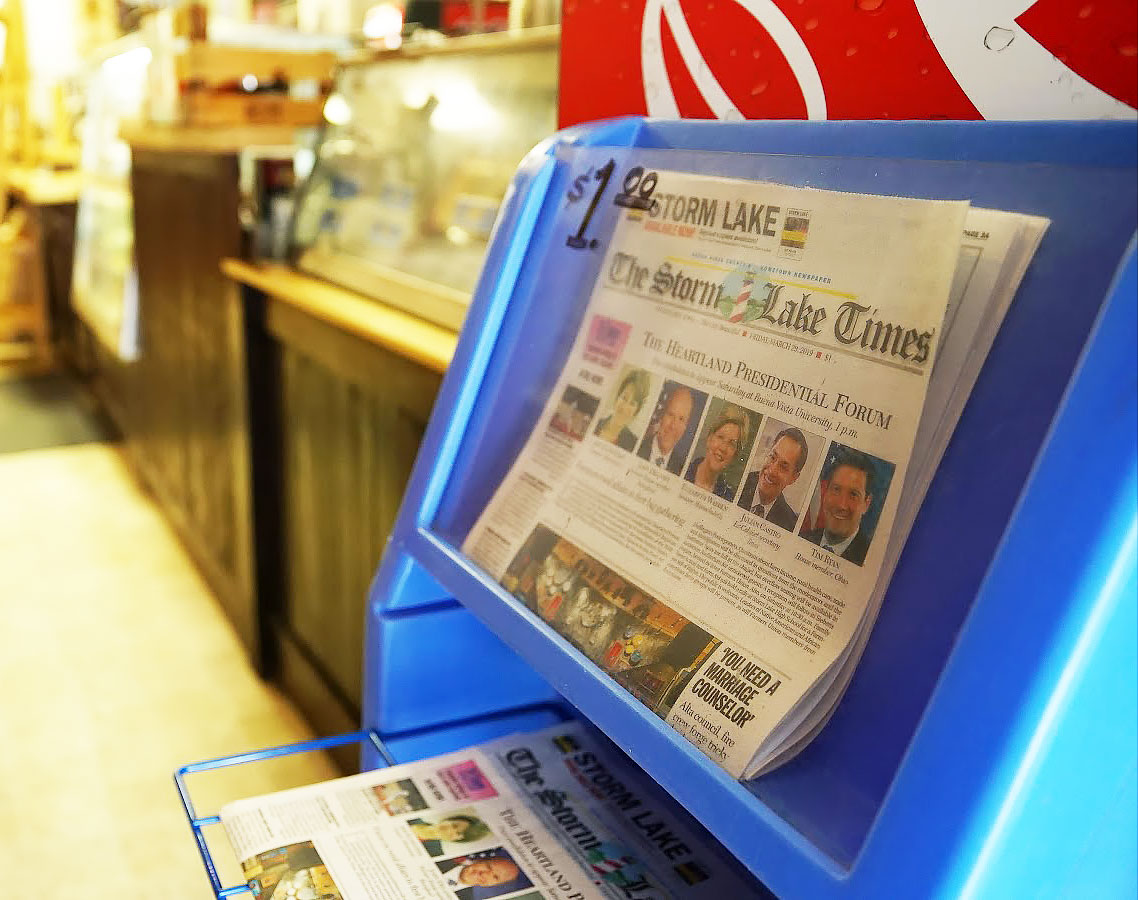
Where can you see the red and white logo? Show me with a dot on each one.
(859, 59)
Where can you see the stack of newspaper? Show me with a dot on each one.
(716, 494)
(535, 817)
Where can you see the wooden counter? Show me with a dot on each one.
(43, 187)
(182, 405)
(419, 341)
(224, 141)
(274, 417)
(48, 197)
(341, 388)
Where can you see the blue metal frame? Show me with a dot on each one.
(377, 753)
(197, 823)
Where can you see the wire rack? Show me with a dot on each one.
(197, 822)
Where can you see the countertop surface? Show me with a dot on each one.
(416, 339)
(185, 139)
(43, 187)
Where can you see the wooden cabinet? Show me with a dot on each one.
(353, 416)
(182, 405)
(275, 424)
(341, 393)
(191, 443)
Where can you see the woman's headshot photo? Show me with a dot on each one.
(622, 424)
(723, 447)
(458, 827)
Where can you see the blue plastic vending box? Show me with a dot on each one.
(987, 743)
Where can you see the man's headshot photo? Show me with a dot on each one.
(479, 876)
(847, 502)
(774, 488)
(672, 426)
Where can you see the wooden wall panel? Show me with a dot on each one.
(182, 406)
(352, 418)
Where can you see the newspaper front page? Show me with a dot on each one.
(705, 504)
(542, 816)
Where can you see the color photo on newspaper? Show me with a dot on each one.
(648, 647)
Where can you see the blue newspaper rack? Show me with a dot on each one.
(987, 743)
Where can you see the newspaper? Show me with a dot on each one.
(706, 507)
(995, 250)
(540, 816)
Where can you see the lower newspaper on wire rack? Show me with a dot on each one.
(717, 491)
(543, 816)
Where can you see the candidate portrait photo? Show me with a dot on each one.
(482, 875)
(777, 485)
(847, 502)
(672, 426)
(722, 448)
(626, 415)
(445, 833)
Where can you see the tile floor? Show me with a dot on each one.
(116, 666)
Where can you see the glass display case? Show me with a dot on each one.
(104, 285)
(419, 148)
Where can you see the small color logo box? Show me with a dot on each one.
(795, 228)
(467, 782)
(605, 340)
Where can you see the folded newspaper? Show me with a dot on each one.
(546, 816)
(719, 487)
